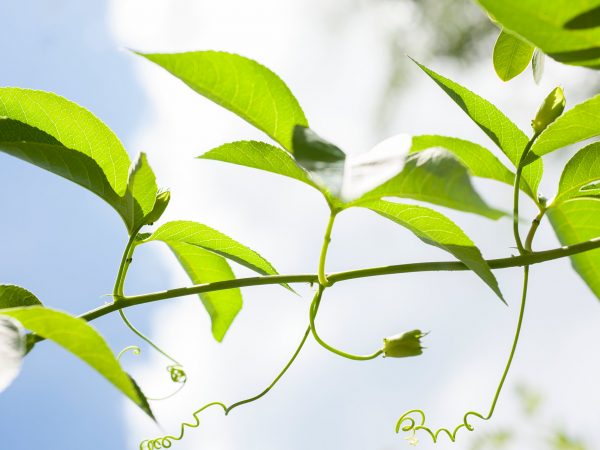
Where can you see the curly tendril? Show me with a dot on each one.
(167, 441)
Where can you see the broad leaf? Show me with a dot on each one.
(511, 55)
(241, 85)
(576, 221)
(323, 160)
(12, 296)
(69, 125)
(436, 229)
(564, 30)
(40, 149)
(79, 338)
(12, 350)
(582, 170)
(434, 176)
(577, 124)
(260, 155)
(203, 266)
(197, 234)
(505, 134)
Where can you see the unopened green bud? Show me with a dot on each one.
(403, 345)
(161, 203)
(552, 107)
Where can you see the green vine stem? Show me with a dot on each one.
(323, 281)
(167, 441)
(530, 258)
(314, 307)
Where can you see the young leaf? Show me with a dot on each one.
(323, 160)
(436, 229)
(582, 170)
(562, 30)
(12, 350)
(142, 189)
(434, 176)
(262, 156)
(12, 296)
(61, 121)
(241, 85)
(203, 266)
(578, 220)
(511, 55)
(505, 134)
(577, 124)
(79, 338)
(197, 234)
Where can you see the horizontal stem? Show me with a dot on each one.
(500, 263)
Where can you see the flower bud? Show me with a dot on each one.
(161, 203)
(403, 345)
(552, 107)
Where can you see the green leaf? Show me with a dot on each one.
(436, 229)
(323, 160)
(477, 159)
(582, 170)
(203, 266)
(505, 134)
(576, 221)
(59, 121)
(12, 350)
(79, 338)
(262, 156)
(577, 124)
(434, 176)
(511, 55)
(197, 234)
(241, 85)
(12, 296)
(547, 26)
(42, 150)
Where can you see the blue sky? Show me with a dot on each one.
(64, 244)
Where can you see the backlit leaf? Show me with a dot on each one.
(580, 171)
(79, 338)
(59, 121)
(12, 296)
(578, 220)
(203, 266)
(436, 229)
(505, 134)
(511, 55)
(241, 85)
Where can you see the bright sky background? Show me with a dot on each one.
(64, 244)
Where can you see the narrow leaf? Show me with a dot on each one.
(66, 123)
(582, 170)
(505, 134)
(436, 229)
(577, 124)
(262, 156)
(79, 338)
(241, 85)
(575, 221)
(511, 55)
(537, 65)
(203, 266)
(197, 234)
(434, 176)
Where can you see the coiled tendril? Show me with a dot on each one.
(167, 441)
